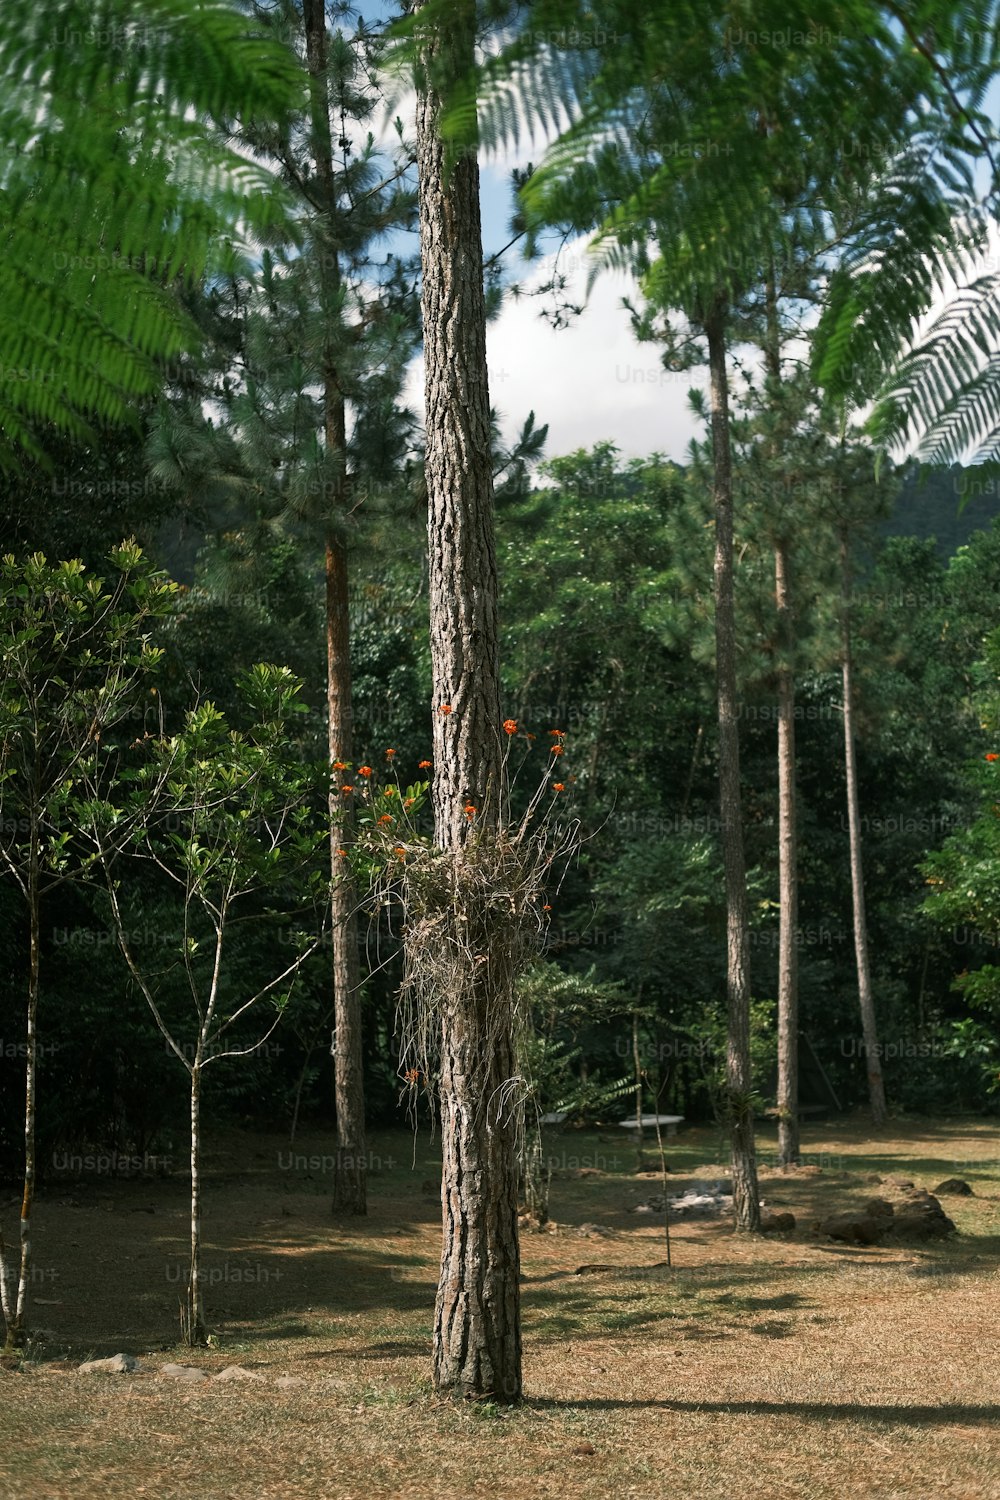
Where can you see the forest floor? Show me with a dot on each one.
(771, 1368)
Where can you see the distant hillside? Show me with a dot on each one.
(947, 505)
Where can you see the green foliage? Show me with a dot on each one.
(118, 185)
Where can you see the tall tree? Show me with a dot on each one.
(323, 314)
(477, 1330)
(350, 1183)
(869, 1028)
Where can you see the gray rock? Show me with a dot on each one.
(236, 1372)
(183, 1372)
(117, 1364)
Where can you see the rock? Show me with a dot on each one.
(956, 1186)
(777, 1223)
(183, 1372)
(878, 1208)
(117, 1364)
(858, 1227)
(922, 1218)
(236, 1372)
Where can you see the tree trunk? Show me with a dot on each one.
(193, 1315)
(739, 1082)
(477, 1335)
(350, 1190)
(17, 1328)
(788, 883)
(788, 872)
(350, 1174)
(873, 1059)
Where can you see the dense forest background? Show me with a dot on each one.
(605, 595)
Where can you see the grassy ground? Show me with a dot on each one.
(764, 1368)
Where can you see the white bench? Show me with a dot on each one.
(670, 1122)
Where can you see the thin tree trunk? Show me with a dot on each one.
(477, 1334)
(788, 884)
(873, 1059)
(350, 1194)
(350, 1176)
(739, 1081)
(789, 1148)
(17, 1329)
(195, 1331)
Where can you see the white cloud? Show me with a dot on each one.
(591, 382)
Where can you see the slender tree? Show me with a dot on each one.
(74, 656)
(869, 1029)
(739, 1081)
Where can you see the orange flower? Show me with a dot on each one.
(408, 801)
(399, 852)
(510, 726)
(470, 811)
(558, 734)
(342, 853)
(557, 786)
(556, 750)
(424, 765)
(412, 1076)
(445, 708)
(993, 756)
(346, 789)
(340, 765)
(364, 770)
(546, 907)
(386, 818)
(390, 754)
(390, 791)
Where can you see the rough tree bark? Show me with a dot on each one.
(869, 1030)
(350, 1194)
(739, 1082)
(477, 1335)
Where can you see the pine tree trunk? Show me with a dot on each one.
(739, 1082)
(17, 1328)
(477, 1336)
(788, 885)
(869, 1031)
(350, 1193)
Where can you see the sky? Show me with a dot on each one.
(591, 382)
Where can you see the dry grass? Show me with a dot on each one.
(767, 1368)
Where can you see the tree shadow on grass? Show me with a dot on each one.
(806, 1411)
